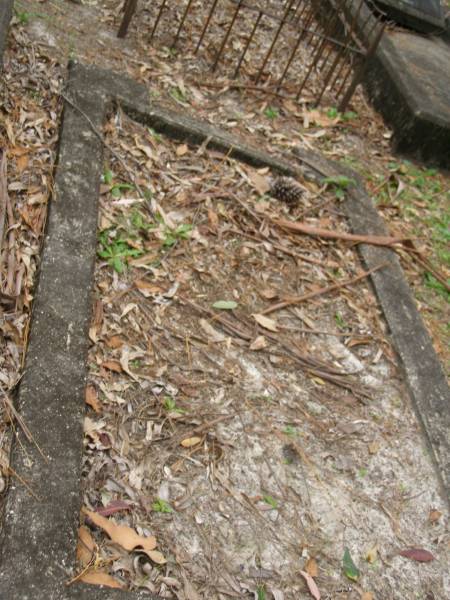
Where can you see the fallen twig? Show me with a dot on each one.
(321, 291)
(374, 240)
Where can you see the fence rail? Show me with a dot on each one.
(287, 47)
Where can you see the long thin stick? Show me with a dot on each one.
(374, 240)
(321, 291)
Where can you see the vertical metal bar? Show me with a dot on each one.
(274, 41)
(330, 24)
(329, 74)
(128, 11)
(227, 35)
(341, 54)
(158, 17)
(208, 19)
(247, 45)
(180, 27)
(360, 72)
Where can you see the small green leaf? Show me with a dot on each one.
(270, 501)
(350, 569)
(225, 304)
(161, 506)
(332, 113)
(108, 177)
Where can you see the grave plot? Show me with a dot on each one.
(255, 450)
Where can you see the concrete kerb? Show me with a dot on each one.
(39, 541)
(5, 17)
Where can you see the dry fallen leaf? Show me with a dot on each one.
(192, 441)
(182, 150)
(312, 586)
(85, 546)
(259, 182)
(91, 398)
(155, 556)
(367, 596)
(121, 534)
(258, 343)
(434, 515)
(100, 578)
(372, 554)
(312, 568)
(265, 322)
(112, 365)
(114, 342)
(418, 554)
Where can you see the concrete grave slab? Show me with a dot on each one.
(408, 81)
(5, 17)
(39, 538)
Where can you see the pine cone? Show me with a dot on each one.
(286, 189)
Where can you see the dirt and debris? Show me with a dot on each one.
(246, 445)
(259, 454)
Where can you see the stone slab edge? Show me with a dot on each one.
(419, 131)
(5, 17)
(39, 541)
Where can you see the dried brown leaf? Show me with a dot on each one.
(85, 546)
(259, 343)
(312, 586)
(100, 578)
(259, 182)
(265, 322)
(91, 398)
(121, 534)
(312, 568)
(112, 365)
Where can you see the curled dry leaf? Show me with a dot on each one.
(367, 596)
(100, 578)
(121, 534)
(91, 398)
(192, 441)
(312, 586)
(265, 322)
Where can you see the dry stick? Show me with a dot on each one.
(321, 291)
(10, 406)
(374, 240)
(11, 471)
(3, 197)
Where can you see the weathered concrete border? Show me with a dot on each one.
(38, 550)
(409, 105)
(5, 17)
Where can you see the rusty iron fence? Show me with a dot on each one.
(305, 50)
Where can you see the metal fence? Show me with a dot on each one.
(300, 49)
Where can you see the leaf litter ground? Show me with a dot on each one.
(250, 447)
(356, 463)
